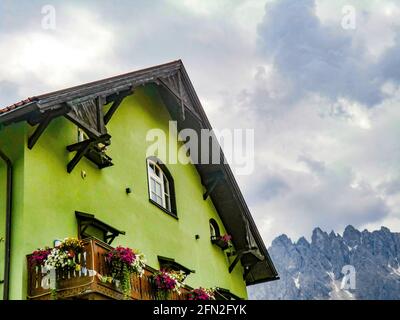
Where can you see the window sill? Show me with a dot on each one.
(163, 209)
(219, 243)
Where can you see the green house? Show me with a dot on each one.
(75, 163)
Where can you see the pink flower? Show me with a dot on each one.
(201, 294)
(226, 238)
(122, 255)
(163, 281)
(39, 257)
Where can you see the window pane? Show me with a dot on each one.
(151, 166)
(212, 230)
(153, 196)
(159, 201)
(166, 185)
(158, 189)
(152, 185)
(157, 171)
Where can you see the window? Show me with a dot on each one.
(214, 229)
(170, 264)
(161, 188)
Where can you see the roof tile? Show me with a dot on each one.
(18, 104)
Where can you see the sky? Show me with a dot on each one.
(318, 81)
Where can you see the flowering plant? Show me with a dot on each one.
(202, 294)
(60, 260)
(226, 238)
(122, 257)
(168, 281)
(72, 246)
(60, 257)
(123, 262)
(38, 257)
(222, 241)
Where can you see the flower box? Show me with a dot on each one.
(220, 242)
(93, 280)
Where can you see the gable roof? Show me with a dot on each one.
(179, 96)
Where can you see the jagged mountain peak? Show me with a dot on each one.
(282, 240)
(302, 242)
(351, 235)
(385, 229)
(319, 237)
(315, 270)
(333, 235)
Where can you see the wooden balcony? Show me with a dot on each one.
(87, 284)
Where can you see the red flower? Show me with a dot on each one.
(226, 238)
(71, 254)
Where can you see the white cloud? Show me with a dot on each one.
(45, 60)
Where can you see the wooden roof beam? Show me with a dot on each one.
(82, 148)
(49, 116)
(92, 133)
(239, 256)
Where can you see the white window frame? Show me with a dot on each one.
(213, 232)
(163, 182)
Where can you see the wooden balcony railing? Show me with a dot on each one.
(87, 283)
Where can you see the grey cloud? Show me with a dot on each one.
(390, 187)
(317, 58)
(390, 61)
(314, 165)
(271, 187)
(328, 201)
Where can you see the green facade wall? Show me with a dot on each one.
(49, 197)
(12, 143)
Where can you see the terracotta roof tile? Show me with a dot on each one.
(18, 104)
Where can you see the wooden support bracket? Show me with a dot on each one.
(100, 102)
(79, 155)
(120, 96)
(82, 148)
(239, 255)
(236, 260)
(49, 116)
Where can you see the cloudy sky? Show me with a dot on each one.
(319, 85)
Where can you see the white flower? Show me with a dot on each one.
(56, 259)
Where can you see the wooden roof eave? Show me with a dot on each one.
(19, 114)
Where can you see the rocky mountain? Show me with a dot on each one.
(355, 265)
